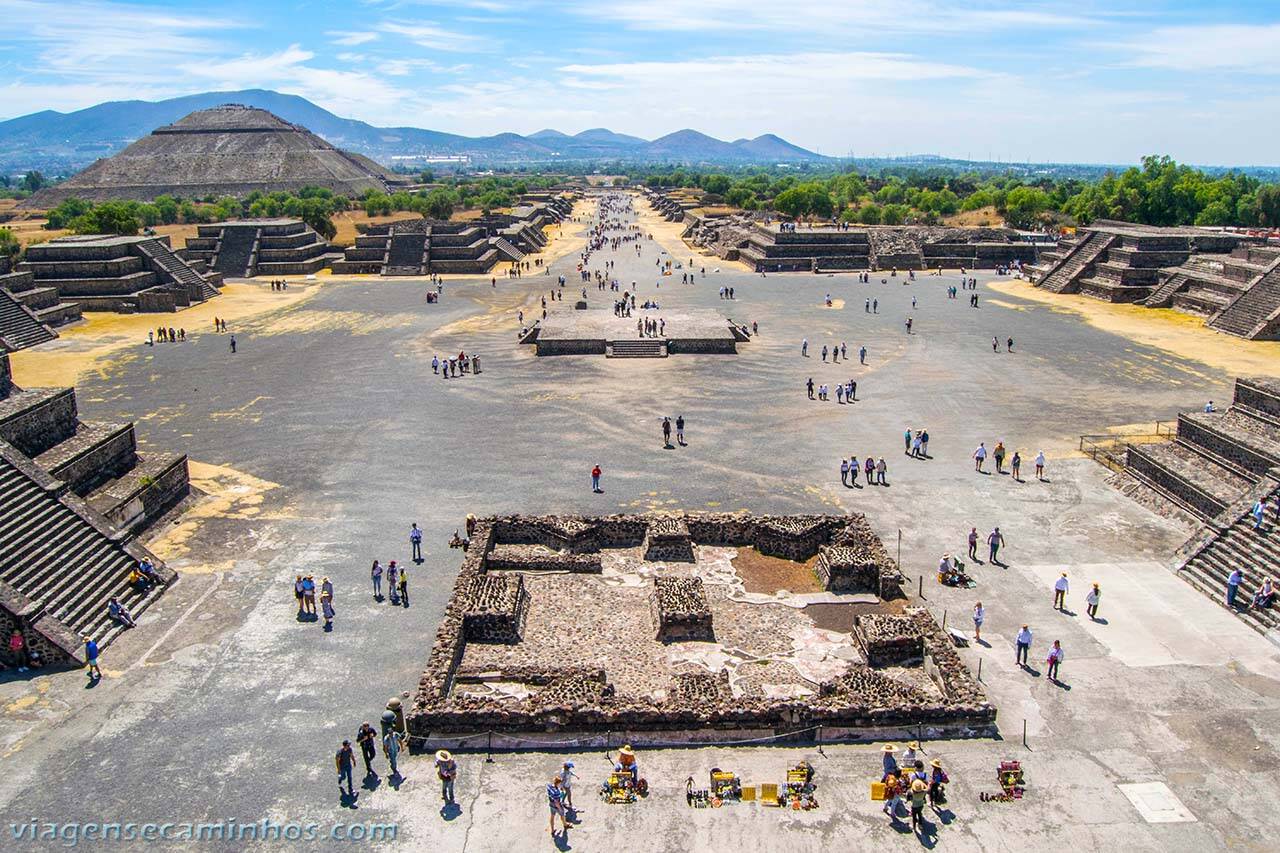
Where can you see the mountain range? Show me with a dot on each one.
(61, 143)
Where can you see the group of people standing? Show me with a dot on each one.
(998, 454)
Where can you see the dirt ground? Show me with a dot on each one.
(1172, 331)
(771, 574)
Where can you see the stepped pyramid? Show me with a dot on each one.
(73, 495)
(228, 150)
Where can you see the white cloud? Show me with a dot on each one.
(429, 35)
(352, 38)
(852, 18)
(1254, 48)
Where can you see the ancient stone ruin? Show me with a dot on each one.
(680, 653)
(1230, 280)
(124, 274)
(227, 150)
(73, 498)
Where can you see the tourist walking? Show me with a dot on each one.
(392, 743)
(1091, 602)
(998, 454)
(862, 355)
(854, 468)
(297, 593)
(804, 348)
(345, 762)
(1054, 660)
(393, 578)
(995, 541)
(567, 775)
(680, 430)
(447, 771)
(404, 588)
(869, 468)
(595, 479)
(555, 802)
(881, 468)
(415, 540)
(1060, 593)
(91, 658)
(1040, 465)
(844, 472)
(1233, 586)
(366, 737)
(233, 344)
(666, 432)
(1023, 646)
(1259, 512)
(979, 616)
(1015, 466)
(980, 457)
(376, 574)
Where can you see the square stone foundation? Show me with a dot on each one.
(680, 610)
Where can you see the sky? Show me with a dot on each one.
(1089, 81)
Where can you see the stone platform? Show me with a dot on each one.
(595, 331)
(661, 649)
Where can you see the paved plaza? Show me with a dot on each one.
(327, 434)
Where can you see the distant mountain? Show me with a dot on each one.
(62, 143)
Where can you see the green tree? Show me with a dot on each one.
(439, 203)
(9, 244)
(894, 214)
(1024, 205)
(33, 181)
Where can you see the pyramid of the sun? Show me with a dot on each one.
(227, 150)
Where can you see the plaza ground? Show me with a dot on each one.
(326, 434)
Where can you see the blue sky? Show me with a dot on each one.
(1083, 81)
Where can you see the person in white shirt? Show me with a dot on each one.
(1040, 465)
(979, 457)
(979, 616)
(1091, 600)
(1023, 647)
(1060, 593)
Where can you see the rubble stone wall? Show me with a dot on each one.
(582, 701)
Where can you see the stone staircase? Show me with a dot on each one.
(637, 348)
(72, 496)
(235, 252)
(406, 254)
(1216, 469)
(1163, 295)
(1255, 314)
(508, 251)
(61, 563)
(19, 326)
(1065, 276)
(178, 269)
(1232, 542)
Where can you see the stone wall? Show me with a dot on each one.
(680, 610)
(699, 706)
(35, 429)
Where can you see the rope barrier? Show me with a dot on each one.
(593, 739)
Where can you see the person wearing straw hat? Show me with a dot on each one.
(447, 770)
(888, 762)
(937, 778)
(626, 763)
(1092, 600)
(918, 792)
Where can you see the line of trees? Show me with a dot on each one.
(1158, 192)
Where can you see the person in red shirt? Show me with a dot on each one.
(595, 479)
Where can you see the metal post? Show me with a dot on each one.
(979, 669)
(920, 591)
(488, 759)
(899, 549)
(944, 619)
(1024, 731)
